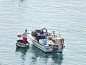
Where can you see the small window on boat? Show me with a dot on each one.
(47, 48)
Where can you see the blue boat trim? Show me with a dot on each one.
(38, 46)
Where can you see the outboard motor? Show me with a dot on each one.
(55, 48)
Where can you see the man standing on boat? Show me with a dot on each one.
(25, 36)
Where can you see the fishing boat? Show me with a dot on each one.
(47, 41)
(19, 43)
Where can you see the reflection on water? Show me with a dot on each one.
(21, 0)
(37, 56)
(0, 63)
(23, 52)
(46, 57)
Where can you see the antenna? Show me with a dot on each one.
(59, 31)
(32, 28)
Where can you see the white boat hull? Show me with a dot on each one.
(20, 44)
(46, 42)
(43, 48)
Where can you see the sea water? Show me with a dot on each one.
(65, 16)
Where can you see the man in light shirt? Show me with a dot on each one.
(25, 36)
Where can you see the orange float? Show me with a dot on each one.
(19, 35)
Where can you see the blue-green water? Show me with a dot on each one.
(18, 15)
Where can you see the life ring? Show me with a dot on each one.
(62, 41)
(44, 29)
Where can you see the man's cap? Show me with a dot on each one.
(25, 29)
